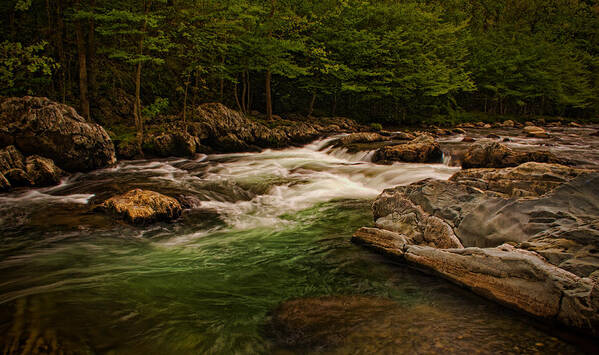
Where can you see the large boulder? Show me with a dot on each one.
(513, 235)
(142, 206)
(37, 125)
(490, 154)
(422, 149)
(179, 144)
(228, 130)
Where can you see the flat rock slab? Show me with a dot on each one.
(531, 236)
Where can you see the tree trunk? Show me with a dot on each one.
(139, 125)
(185, 102)
(312, 101)
(222, 78)
(237, 98)
(334, 107)
(248, 100)
(82, 56)
(91, 56)
(243, 92)
(268, 97)
(59, 40)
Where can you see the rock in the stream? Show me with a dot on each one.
(324, 322)
(536, 132)
(362, 137)
(26, 172)
(546, 213)
(422, 149)
(178, 144)
(42, 171)
(143, 206)
(489, 154)
(228, 130)
(37, 125)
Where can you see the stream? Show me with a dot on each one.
(261, 228)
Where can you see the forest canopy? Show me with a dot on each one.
(385, 61)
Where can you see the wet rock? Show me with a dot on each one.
(423, 149)
(516, 278)
(547, 267)
(226, 130)
(39, 125)
(442, 132)
(493, 136)
(143, 206)
(536, 132)
(488, 154)
(42, 171)
(18, 178)
(362, 137)
(4, 184)
(403, 136)
(323, 322)
(467, 125)
(179, 144)
(574, 124)
(487, 126)
(508, 124)
(11, 158)
(468, 140)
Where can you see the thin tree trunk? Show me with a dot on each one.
(185, 103)
(268, 95)
(237, 98)
(334, 108)
(222, 78)
(243, 92)
(273, 4)
(91, 55)
(82, 56)
(59, 39)
(137, 106)
(249, 94)
(312, 101)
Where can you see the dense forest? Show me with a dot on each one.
(386, 61)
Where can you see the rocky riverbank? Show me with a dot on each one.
(525, 236)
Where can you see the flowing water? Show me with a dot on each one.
(261, 228)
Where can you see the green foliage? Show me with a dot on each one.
(376, 126)
(20, 65)
(159, 106)
(375, 60)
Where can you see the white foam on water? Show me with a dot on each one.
(41, 196)
(307, 176)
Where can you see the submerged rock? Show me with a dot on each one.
(37, 125)
(547, 266)
(323, 322)
(422, 149)
(143, 206)
(489, 154)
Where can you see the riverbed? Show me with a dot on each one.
(259, 229)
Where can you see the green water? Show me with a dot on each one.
(73, 280)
